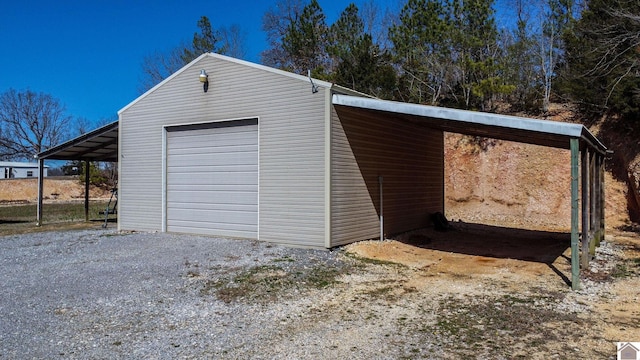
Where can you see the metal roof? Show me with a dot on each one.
(532, 131)
(98, 145)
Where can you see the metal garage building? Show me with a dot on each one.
(261, 153)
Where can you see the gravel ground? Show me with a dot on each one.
(101, 294)
(96, 294)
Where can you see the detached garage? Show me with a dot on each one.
(260, 153)
(231, 148)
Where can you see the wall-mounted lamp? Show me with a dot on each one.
(204, 79)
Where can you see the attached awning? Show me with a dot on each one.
(525, 130)
(98, 145)
(587, 155)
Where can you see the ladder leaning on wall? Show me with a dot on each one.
(111, 208)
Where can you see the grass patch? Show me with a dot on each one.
(366, 260)
(482, 323)
(267, 283)
(20, 219)
(626, 268)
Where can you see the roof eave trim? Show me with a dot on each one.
(488, 119)
(593, 141)
(544, 126)
(84, 137)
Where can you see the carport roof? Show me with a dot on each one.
(532, 131)
(98, 145)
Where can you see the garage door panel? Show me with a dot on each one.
(218, 178)
(210, 150)
(212, 180)
(249, 188)
(219, 197)
(217, 207)
(232, 218)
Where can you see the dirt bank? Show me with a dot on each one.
(55, 190)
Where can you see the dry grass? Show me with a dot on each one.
(21, 219)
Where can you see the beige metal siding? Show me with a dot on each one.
(409, 157)
(291, 136)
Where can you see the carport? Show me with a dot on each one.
(98, 145)
(587, 155)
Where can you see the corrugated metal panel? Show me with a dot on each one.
(291, 139)
(406, 154)
(212, 179)
(512, 128)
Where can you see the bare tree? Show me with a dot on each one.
(159, 65)
(30, 123)
(233, 41)
(275, 24)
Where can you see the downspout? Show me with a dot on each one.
(381, 210)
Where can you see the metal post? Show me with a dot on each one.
(602, 198)
(575, 260)
(595, 202)
(381, 213)
(586, 206)
(87, 166)
(40, 191)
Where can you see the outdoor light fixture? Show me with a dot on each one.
(204, 79)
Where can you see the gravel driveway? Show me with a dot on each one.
(101, 294)
(97, 294)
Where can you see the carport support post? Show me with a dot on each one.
(575, 259)
(86, 189)
(40, 191)
(586, 206)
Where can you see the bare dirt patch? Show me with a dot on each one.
(489, 251)
(490, 292)
(64, 189)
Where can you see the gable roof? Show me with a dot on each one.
(532, 131)
(233, 60)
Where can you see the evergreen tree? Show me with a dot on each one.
(304, 41)
(203, 42)
(478, 75)
(422, 50)
(603, 59)
(359, 63)
(448, 53)
(519, 63)
(160, 65)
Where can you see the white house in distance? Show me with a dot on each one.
(19, 170)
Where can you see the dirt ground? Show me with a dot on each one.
(512, 232)
(57, 189)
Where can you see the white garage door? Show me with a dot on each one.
(212, 178)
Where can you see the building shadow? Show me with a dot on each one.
(498, 242)
(2, 222)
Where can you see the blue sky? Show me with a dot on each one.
(88, 53)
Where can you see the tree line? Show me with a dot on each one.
(448, 53)
(453, 52)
